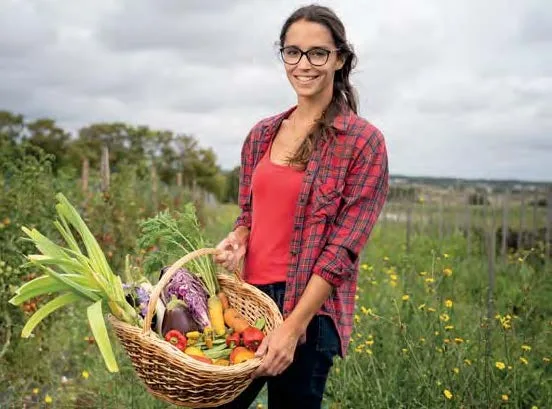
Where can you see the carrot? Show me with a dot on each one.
(229, 315)
(224, 300)
(216, 314)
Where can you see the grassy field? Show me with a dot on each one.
(426, 336)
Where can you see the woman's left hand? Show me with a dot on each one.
(278, 349)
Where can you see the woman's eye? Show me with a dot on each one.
(292, 52)
(319, 53)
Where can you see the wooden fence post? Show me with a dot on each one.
(505, 204)
(521, 220)
(104, 171)
(85, 171)
(548, 245)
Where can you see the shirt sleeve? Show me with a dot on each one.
(365, 191)
(244, 190)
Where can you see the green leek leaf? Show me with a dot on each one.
(46, 310)
(99, 330)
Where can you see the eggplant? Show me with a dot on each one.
(178, 318)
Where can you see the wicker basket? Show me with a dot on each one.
(174, 377)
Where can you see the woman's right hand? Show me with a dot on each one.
(233, 249)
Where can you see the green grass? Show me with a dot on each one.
(404, 353)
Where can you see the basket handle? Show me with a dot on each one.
(155, 294)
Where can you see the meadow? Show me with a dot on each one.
(433, 329)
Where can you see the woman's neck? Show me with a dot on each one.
(311, 109)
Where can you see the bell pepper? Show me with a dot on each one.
(252, 338)
(241, 354)
(176, 338)
(233, 340)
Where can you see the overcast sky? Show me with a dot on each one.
(459, 88)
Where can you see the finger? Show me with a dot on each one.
(263, 347)
(233, 240)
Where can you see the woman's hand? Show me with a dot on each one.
(233, 249)
(278, 349)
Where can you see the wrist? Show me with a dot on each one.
(296, 325)
(242, 233)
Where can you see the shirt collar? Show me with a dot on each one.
(340, 122)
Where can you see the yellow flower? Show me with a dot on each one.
(357, 318)
(35, 391)
(404, 350)
(467, 362)
(523, 360)
(444, 317)
(449, 327)
(526, 348)
(393, 277)
(421, 306)
(48, 399)
(445, 255)
(545, 359)
(405, 297)
(393, 283)
(429, 280)
(447, 393)
(458, 340)
(365, 266)
(429, 309)
(364, 310)
(369, 342)
(385, 258)
(422, 340)
(369, 351)
(447, 272)
(504, 397)
(448, 303)
(436, 333)
(456, 370)
(423, 273)
(356, 297)
(500, 365)
(85, 374)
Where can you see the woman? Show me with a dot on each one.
(312, 184)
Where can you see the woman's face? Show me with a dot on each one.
(314, 78)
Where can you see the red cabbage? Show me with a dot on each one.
(187, 287)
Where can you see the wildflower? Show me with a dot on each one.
(447, 393)
(429, 309)
(445, 255)
(500, 365)
(85, 374)
(429, 280)
(447, 272)
(523, 360)
(467, 362)
(456, 371)
(448, 303)
(526, 348)
(385, 258)
(458, 340)
(404, 350)
(449, 327)
(405, 297)
(393, 283)
(505, 397)
(359, 348)
(369, 342)
(356, 297)
(369, 351)
(365, 266)
(436, 333)
(365, 310)
(422, 340)
(422, 273)
(421, 306)
(357, 318)
(444, 317)
(35, 391)
(393, 277)
(48, 399)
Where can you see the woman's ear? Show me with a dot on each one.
(340, 62)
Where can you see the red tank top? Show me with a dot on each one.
(275, 190)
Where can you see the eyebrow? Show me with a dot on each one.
(326, 47)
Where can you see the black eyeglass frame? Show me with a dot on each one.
(306, 54)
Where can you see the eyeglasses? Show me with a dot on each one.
(316, 56)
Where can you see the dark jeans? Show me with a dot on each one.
(302, 384)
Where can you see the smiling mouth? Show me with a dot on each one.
(305, 79)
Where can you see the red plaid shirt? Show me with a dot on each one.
(343, 191)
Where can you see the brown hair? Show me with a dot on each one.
(343, 92)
